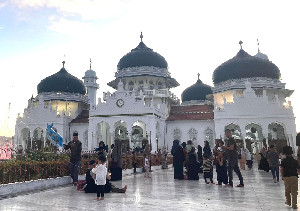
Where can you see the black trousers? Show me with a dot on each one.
(237, 171)
(100, 190)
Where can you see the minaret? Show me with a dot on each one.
(91, 86)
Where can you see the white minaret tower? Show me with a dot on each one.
(91, 85)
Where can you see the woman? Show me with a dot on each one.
(178, 159)
(193, 166)
(206, 150)
(264, 165)
(116, 165)
(200, 158)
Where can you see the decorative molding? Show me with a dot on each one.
(136, 71)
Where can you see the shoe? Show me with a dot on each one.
(294, 207)
(240, 186)
(289, 204)
(228, 186)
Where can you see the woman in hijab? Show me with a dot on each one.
(200, 158)
(193, 166)
(116, 165)
(178, 159)
(206, 150)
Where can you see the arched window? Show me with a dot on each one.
(193, 135)
(151, 85)
(209, 136)
(159, 85)
(177, 134)
(130, 85)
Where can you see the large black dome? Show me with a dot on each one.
(198, 91)
(244, 65)
(142, 56)
(61, 81)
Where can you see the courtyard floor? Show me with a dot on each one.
(162, 192)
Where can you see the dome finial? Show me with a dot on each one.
(141, 36)
(241, 43)
(90, 63)
(258, 46)
(63, 63)
(198, 76)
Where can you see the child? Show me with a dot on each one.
(100, 174)
(207, 169)
(222, 169)
(147, 167)
(289, 167)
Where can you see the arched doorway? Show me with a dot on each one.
(277, 136)
(37, 139)
(254, 137)
(103, 134)
(138, 133)
(25, 138)
(122, 134)
(236, 134)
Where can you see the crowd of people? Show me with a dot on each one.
(226, 156)
(202, 161)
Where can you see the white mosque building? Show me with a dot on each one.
(248, 97)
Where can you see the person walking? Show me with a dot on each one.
(273, 159)
(289, 169)
(76, 147)
(232, 159)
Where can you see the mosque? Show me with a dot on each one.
(248, 98)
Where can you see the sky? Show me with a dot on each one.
(194, 36)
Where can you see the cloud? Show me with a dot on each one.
(3, 4)
(87, 9)
(2, 27)
(70, 28)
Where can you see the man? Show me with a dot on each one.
(232, 159)
(75, 146)
(273, 159)
(289, 171)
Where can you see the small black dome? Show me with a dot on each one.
(61, 81)
(244, 65)
(198, 91)
(142, 56)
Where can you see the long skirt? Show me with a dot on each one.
(116, 173)
(178, 171)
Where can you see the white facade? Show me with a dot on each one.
(255, 109)
(196, 130)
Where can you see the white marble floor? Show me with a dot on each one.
(161, 192)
